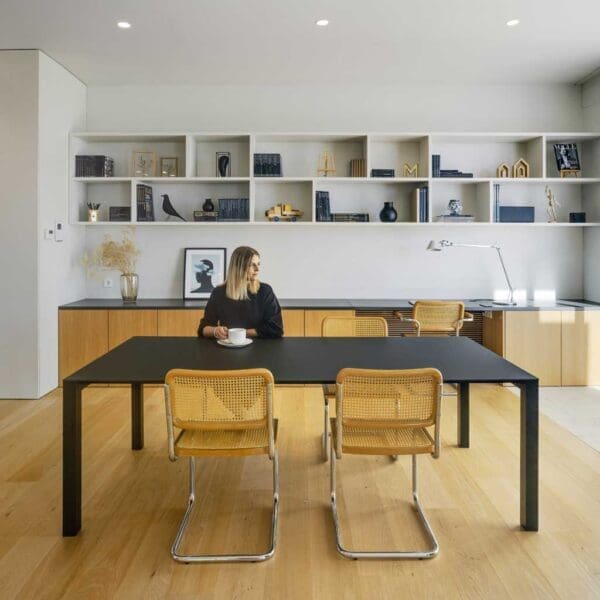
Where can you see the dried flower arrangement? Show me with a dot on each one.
(114, 255)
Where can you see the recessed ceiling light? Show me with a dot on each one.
(512, 22)
(322, 23)
(123, 24)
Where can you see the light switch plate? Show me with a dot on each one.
(59, 234)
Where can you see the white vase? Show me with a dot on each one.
(129, 287)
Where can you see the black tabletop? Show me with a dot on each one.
(300, 360)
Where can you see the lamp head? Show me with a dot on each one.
(437, 246)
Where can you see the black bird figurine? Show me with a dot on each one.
(169, 209)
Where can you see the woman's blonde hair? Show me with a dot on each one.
(237, 285)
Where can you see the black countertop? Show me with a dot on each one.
(473, 305)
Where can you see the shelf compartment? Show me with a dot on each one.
(588, 149)
(105, 192)
(347, 197)
(189, 195)
(482, 154)
(202, 154)
(301, 154)
(121, 146)
(394, 151)
(475, 199)
(297, 193)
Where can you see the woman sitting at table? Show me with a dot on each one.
(242, 301)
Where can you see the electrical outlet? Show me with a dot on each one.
(108, 282)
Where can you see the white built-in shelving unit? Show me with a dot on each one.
(477, 153)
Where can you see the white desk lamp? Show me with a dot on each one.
(438, 246)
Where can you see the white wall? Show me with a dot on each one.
(304, 262)
(18, 224)
(60, 279)
(591, 117)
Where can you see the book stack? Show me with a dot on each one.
(233, 209)
(420, 208)
(205, 215)
(383, 173)
(496, 203)
(357, 167)
(350, 217)
(267, 165)
(437, 171)
(322, 205)
(435, 165)
(145, 204)
(94, 166)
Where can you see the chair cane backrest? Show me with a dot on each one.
(376, 398)
(354, 327)
(436, 316)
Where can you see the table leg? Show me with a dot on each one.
(137, 416)
(462, 415)
(71, 458)
(529, 455)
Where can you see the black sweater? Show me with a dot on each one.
(261, 312)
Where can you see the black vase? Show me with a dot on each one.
(222, 165)
(388, 213)
(208, 205)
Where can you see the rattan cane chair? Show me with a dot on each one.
(225, 414)
(436, 317)
(346, 327)
(386, 413)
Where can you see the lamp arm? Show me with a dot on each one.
(510, 287)
(447, 243)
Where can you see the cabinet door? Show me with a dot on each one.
(581, 348)
(293, 323)
(126, 323)
(314, 318)
(179, 322)
(493, 331)
(83, 337)
(532, 340)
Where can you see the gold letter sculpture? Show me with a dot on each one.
(411, 171)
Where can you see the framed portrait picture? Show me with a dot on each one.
(143, 164)
(168, 166)
(567, 157)
(203, 270)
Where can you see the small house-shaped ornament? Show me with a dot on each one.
(521, 169)
(503, 170)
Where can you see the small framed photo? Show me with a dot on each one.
(567, 157)
(143, 164)
(223, 164)
(168, 166)
(203, 270)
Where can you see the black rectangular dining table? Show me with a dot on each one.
(146, 360)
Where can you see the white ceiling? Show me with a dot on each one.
(276, 41)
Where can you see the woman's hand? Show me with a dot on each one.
(221, 332)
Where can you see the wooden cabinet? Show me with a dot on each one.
(581, 348)
(182, 322)
(293, 323)
(83, 337)
(493, 331)
(126, 323)
(532, 340)
(314, 318)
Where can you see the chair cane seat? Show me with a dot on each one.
(224, 442)
(392, 441)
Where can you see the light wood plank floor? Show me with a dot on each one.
(133, 502)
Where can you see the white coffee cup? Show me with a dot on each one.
(237, 336)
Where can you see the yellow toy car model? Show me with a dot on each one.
(283, 212)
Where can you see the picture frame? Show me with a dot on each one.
(143, 163)
(567, 157)
(223, 164)
(203, 270)
(168, 166)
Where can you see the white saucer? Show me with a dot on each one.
(228, 344)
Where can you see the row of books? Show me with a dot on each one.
(437, 171)
(94, 166)
(357, 167)
(233, 209)
(350, 217)
(420, 205)
(267, 165)
(145, 203)
(323, 210)
(496, 203)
